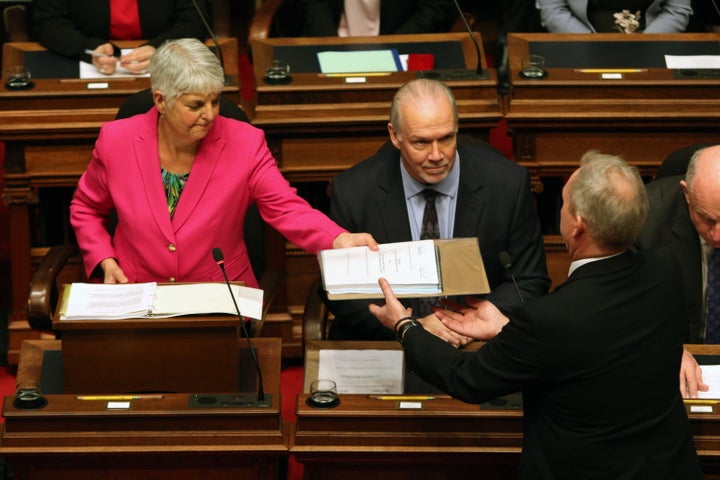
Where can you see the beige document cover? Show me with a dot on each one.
(461, 271)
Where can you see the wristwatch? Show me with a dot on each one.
(403, 328)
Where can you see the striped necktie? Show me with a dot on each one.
(430, 230)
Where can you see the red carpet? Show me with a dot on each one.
(291, 384)
(7, 383)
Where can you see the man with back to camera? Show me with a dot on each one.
(685, 216)
(480, 194)
(616, 325)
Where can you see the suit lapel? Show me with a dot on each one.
(390, 202)
(471, 201)
(205, 163)
(145, 144)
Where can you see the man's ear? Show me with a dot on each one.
(579, 227)
(393, 136)
(683, 185)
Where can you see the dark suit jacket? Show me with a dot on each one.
(597, 361)
(668, 224)
(494, 204)
(396, 16)
(68, 27)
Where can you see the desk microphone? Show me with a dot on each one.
(507, 265)
(459, 74)
(219, 259)
(213, 37)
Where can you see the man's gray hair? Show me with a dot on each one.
(610, 195)
(415, 90)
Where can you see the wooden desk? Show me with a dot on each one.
(145, 354)
(643, 116)
(362, 437)
(318, 126)
(166, 438)
(49, 132)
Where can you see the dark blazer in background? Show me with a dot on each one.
(668, 224)
(68, 27)
(597, 361)
(396, 16)
(494, 204)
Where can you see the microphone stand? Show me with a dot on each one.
(218, 256)
(459, 74)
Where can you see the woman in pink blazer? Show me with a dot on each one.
(181, 178)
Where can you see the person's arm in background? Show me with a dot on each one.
(668, 16)
(557, 17)
(162, 21)
(56, 30)
(321, 17)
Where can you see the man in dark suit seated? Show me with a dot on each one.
(685, 215)
(597, 359)
(478, 193)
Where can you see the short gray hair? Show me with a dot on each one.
(183, 66)
(610, 195)
(418, 89)
(691, 171)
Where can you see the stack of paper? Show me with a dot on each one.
(410, 267)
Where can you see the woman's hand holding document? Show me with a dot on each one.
(410, 267)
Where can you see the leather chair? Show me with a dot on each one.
(16, 21)
(62, 263)
(677, 162)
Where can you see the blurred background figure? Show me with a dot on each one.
(631, 16)
(324, 18)
(70, 27)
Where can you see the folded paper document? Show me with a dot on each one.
(414, 269)
(363, 61)
(95, 301)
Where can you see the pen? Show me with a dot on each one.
(93, 53)
(113, 398)
(401, 397)
(368, 74)
(611, 70)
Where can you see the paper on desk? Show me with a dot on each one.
(366, 371)
(365, 61)
(88, 70)
(215, 298)
(692, 61)
(711, 376)
(88, 301)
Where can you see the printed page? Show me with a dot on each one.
(207, 298)
(711, 376)
(98, 300)
(692, 61)
(363, 371)
(410, 267)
